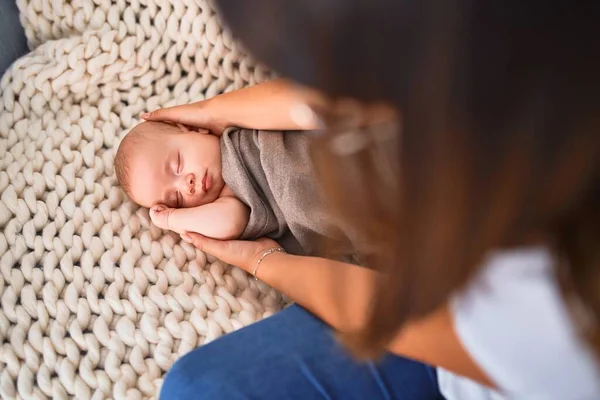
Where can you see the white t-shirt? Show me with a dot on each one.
(513, 322)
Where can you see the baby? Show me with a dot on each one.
(176, 172)
(245, 184)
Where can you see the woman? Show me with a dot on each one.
(488, 265)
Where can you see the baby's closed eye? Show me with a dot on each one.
(175, 164)
(179, 164)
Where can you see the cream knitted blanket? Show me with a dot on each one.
(95, 301)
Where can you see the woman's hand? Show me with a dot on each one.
(241, 253)
(267, 106)
(197, 114)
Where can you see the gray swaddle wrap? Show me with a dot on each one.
(272, 172)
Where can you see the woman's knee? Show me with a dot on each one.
(240, 362)
(190, 378)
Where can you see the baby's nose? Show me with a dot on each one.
(190, 181)
(189, 184)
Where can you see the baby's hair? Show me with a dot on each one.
(122, 167)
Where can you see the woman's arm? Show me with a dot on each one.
(264, 106)
(339, 294)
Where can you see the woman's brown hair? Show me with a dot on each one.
(498, 136)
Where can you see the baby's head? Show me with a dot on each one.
(160, 163)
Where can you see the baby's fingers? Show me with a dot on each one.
(159, 214)
(157, 209)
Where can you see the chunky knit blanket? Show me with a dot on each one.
(95, 301)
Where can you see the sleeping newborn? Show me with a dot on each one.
(245, 184)
(176, 172)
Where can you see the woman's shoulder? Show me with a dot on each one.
(514, 322)
(519, 266)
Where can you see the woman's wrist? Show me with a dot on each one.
(267, 271)
(263, 106)
(263, 255)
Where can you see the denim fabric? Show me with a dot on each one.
(292, 355)
(12, 37)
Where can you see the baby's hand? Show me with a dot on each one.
(159, 214)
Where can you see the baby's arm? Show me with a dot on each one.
(225, 218)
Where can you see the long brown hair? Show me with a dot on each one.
(498, 141)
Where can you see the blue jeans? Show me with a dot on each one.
(292, 355)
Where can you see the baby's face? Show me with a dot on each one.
(180, 168)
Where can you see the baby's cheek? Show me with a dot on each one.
(195, 201)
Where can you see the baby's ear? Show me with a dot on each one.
(183, 127)
(187, 129)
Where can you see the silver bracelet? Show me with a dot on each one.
(262, 257)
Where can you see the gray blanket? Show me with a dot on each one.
(273, 174)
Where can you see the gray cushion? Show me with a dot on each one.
(13, 43)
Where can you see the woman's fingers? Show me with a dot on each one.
(204, 243)
(176, 114)
(222, 249)
(242, 253)
(194, 115)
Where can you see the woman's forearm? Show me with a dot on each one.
(264, 106)
(340, 295)
(336, 292)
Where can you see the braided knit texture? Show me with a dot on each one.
(95, 301)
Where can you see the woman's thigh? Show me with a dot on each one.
(292, 355)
